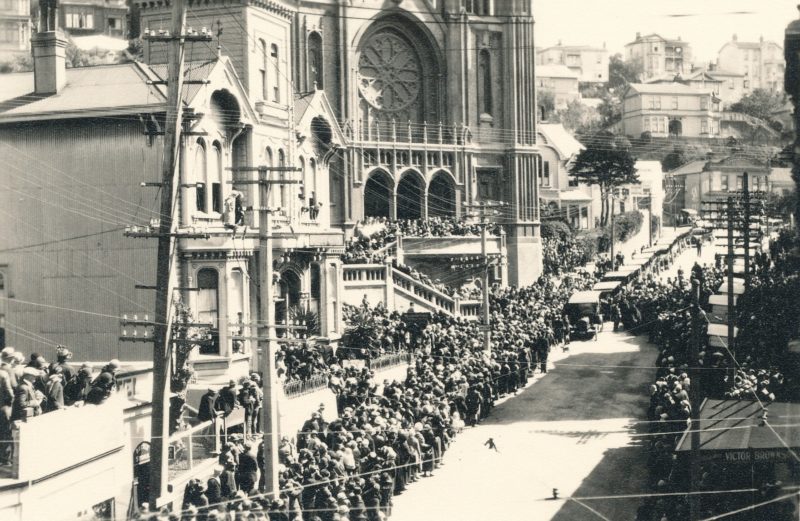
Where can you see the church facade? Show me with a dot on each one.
(420, 106)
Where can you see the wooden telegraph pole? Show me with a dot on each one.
(746, 227)
(162, 346)
(484, 209)
(731, 209)
(162, 341)
(267, 337)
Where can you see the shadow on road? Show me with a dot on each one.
(587, 386)
(621, 471)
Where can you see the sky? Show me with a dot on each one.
(710, 25)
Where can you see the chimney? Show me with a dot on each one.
(761, 39)
(735, 38)
(49, 61)
(638, 35)
(604, 45)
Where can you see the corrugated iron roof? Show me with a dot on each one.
(99, 88)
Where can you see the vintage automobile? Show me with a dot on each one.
(585, 314)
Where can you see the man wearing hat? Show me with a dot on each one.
(63, 355)
(205, 411)
(25, 396)
(7, 363)
(226, 402)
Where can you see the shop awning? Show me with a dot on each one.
(734, 431)
(738, 286)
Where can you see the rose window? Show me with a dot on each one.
(389, 73)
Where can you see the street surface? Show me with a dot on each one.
(571, 429)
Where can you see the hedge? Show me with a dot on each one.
(626, 225)
(556, 230)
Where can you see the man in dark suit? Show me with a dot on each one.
(26, 396)
(247, 473)
(206, 410)
(226, 402)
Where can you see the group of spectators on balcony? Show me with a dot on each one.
(30, 386)
(374, 234)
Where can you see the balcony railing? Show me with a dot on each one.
(364, 272)
(432, 296)
(194, 446)
(296, 388)
(390, 360)
(407, 132)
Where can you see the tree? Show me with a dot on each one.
(607, 163)
(674, 159)
(546, 100)
(760, 104)
(577, 117)
(622, 73)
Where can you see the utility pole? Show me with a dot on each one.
(695, 392)
(162, 345)
(267, 338)
(487, 333)
(483, 212)
(269, 381)
(746, 230)
(613, 262)
(650, 219)
(731, 250)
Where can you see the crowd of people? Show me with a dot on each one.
(766, 316)
(368, 245)
(30, 386)
(388, 435)
(385, 436)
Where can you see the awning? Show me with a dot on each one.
(720, 300)
(689, 211)
(718, 335)
(738, 286)
(733, 431)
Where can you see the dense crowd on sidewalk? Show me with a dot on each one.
(30, 386)
(387, 435)
(766, 316)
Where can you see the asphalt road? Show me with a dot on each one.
(570, 429)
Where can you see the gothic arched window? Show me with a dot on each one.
(314, 61)
(485, 81)
(199, 174)
(215, 177)
(276, 81)
(262, 70)
(282, 175)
